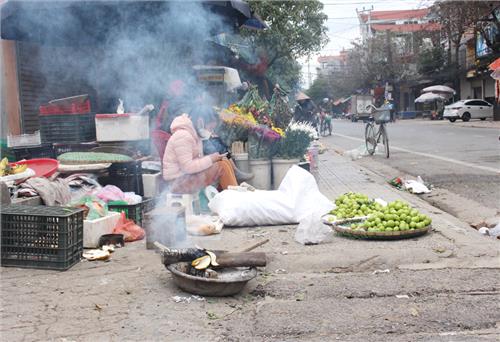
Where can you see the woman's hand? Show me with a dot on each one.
(217, 157)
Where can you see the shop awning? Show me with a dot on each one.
(89, 22)
(341, 100)
(495, 65)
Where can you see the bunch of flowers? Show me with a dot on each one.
(263, 142)
(279, 131)
(298, 136)
(234, 127)
(242, 113)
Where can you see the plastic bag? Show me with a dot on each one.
(357, 153)
(297, 197)
(130, 230)
(132, 198)
(203, 224)
(110, 193)
(94, 206)
(416, 187)
(312, 230)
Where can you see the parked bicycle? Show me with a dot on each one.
(373, 135)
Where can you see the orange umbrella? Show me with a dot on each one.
(495, 65)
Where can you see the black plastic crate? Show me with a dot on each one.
(134, 211)
(41, 237)
(71, 129)
(31, 152)
(127, 176)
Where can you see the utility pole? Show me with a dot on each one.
(309, 77)
(365, 26)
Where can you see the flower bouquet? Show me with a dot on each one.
(235, 125)
(296, 140)
(263, 142)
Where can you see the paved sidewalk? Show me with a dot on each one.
(440, 287)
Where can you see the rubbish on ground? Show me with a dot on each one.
(493, 232)
(203, 224)
(396, 182)
(280, 271)
(183, 299)
(416, 186)
(381, 202)
(357, 153)
(108, 248)
(402, 296)
(96, 254)
(381, 271)
(298, 196)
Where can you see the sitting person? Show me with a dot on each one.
(206, 124)
(185, 168)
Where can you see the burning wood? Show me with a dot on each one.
(201, 262)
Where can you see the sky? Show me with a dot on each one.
(343, 25)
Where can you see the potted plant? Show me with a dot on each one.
(292, 148)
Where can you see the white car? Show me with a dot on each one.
(468, 109)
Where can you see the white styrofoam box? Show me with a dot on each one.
(121, 127)
(24, 140)
(151, 184)
(94, 229)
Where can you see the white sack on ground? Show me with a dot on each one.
(297, 197)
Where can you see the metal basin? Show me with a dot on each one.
(230, 281)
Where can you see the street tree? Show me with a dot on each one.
(296, 29)
(457, 17)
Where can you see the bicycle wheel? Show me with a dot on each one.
(370, 140)
(385, 140)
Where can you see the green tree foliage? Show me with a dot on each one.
(319, 89)
(431, 61)
(296, 28)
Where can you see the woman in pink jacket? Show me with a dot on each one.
(185, 168)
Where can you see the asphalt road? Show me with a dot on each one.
(464, 160)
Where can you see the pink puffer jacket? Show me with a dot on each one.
(184, 152)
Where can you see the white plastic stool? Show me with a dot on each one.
(189, 201)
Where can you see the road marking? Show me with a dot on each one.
(428, 155)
